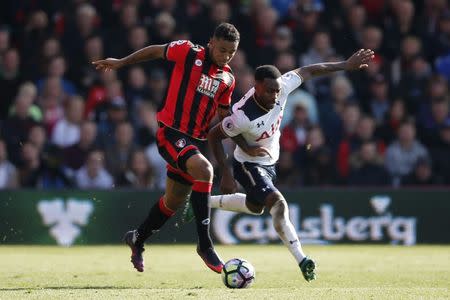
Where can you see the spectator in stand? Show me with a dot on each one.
(349, 148)
(30, 165)
(438, 118)
(51, 101)
(38, 137)
(8, 172)
(10, 79)
(76, 155)
(368, 169)
(440, 154)
(315, 160)
(421, 174)
(379, 102)
(118, 154)
(138, 173)
(17, 126)
(67, 130)
(402, 154)
(397, 113)
(157, 85)
(93, 175)
(294, 134)
(411, 47)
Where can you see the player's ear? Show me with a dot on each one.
(210, 43)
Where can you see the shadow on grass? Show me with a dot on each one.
(86, 288)
(70, 288)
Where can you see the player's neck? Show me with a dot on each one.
(259, 103)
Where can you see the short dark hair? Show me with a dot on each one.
(228, 32)
(267, 71)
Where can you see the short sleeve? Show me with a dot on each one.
(225, 98)
(235, 124)
(177, 50)
(291, 80)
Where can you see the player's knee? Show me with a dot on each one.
(255, 209)
(201, 169)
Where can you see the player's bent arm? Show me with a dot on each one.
(359, 60)
(148, 53)
(215, 137)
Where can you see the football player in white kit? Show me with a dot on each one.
(257, 117)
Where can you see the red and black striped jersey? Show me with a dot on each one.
(197, 87)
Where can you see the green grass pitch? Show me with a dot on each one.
(176, 272)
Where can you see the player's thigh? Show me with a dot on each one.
(176, 193)
(257, 181)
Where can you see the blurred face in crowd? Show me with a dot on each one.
(366, 127)
(30, 152)
(85, 19)
(341, 89)
(266, 20)
(246, 80)
(22, 106)
(397, 110)
(94, 48)
(222, 51)
(37, 136)
(379, 90)
(57, 67)
(356, 17)
(351, 117)
(124, 134)
(368, 152)
(285, 62)
(139, 163)
(372, 38)
(165, 25)
(51, 48)
(2, 151)
(94, 163)
(440, 110)
(411, 46)
(137, 38)
(137, 78)
(128, 15)
(300, 114)
(445, 134)
(283, 39)
(88, 133)
(423, 171)
(315, 138)
(11, 61)
(438, 87)
(239, 61)
(220, 12)
(75, 110)
(321, 42)
(4, 40)
(406, 133)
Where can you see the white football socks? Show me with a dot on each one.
(286, 231)
(232, 202)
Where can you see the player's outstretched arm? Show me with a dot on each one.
(358, 61)
(148, 53)
(215, 137)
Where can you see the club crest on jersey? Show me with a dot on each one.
(208, 86)
(181, 143)
(229, 125)
(198, 62)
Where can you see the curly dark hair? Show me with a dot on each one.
(228, 32)
(267, 71)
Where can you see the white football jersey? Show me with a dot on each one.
(258, 126)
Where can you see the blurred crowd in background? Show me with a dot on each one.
(64, 124)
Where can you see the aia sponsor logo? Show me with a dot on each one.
(208, 86)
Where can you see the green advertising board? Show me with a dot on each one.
(67, 217)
